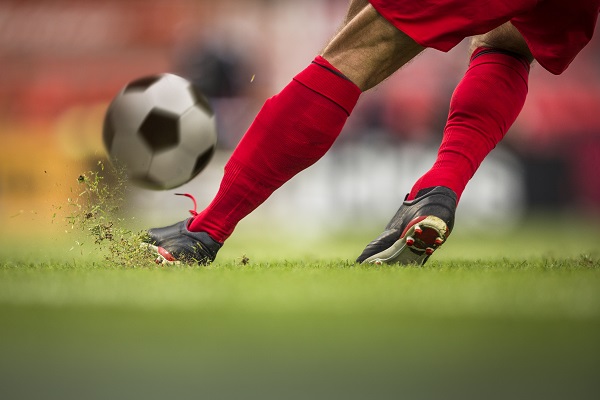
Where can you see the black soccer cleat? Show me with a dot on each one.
(175, 244)
(419, 228)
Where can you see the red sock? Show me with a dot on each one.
(483, 107)
(291, 132)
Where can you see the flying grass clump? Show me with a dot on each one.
(95, 209)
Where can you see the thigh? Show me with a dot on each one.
(355, 7)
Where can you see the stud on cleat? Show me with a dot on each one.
(418, 230)
(429, 251)
(410, 241)
(439, 241)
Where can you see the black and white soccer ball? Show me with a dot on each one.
(161, 130)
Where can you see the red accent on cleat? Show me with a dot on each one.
(166, 254)
(410, 241)
(439, 241)
(418, 229)
(429, 251)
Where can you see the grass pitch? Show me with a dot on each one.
(489, 317)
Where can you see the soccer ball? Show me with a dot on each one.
(161, 130)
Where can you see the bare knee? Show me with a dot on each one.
(505, 37)
(368, 48)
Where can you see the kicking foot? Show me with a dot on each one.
(176, 244)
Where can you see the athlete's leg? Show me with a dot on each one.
(298, 126)
(483, 107)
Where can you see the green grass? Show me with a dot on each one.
(490, 317)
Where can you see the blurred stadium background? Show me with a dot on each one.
(63, 60)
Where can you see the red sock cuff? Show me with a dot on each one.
(485, 55)
(328, 81)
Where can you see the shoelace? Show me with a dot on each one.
(193, 212)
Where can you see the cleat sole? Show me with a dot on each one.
(417, 243)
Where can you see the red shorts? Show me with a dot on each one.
(555, 30)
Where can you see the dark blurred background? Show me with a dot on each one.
(61, 62)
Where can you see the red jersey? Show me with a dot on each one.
(555, 30)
